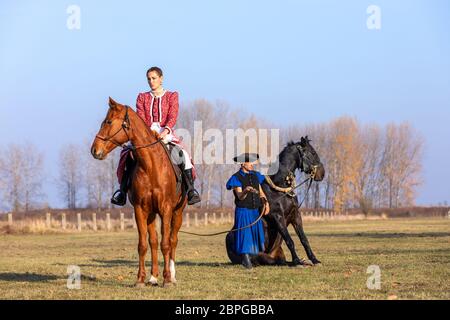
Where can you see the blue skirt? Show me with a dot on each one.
(249, 240)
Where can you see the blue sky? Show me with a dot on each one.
(288, 61)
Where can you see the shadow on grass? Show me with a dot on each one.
(135, 263)
(27, 277)
(118, 263)
(382, 235)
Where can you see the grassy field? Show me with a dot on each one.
(413, 255)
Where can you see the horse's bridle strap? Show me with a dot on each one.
(126, 125)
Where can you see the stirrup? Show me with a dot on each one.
(194, 198)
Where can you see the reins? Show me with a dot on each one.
(286, 191)
(310, 179)
(222, 232)
(126, 125)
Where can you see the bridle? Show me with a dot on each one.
(311, 177)
(125, 127)
(288, 191)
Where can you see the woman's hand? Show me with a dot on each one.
(164, 133)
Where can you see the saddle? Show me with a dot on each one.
(175, 155)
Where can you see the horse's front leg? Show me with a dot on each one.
(153, 241)
(177, 221)
(166, 219)
(141, 222)
(281, 225)
(298, 226)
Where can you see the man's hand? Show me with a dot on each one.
(250, 189)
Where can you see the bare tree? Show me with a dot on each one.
(71, 170)
(401, 164)
(100, 179)
(21, 172)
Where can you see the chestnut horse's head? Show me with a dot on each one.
(114, 131)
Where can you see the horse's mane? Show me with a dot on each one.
(150, 132)
(285, 152)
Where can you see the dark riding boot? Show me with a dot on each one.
(193, 196)
(119, 197)
(246, 261)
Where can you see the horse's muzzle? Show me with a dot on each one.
(320, 173)
(97, 154)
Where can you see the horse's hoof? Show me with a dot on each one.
(301, 263)
(139, 285)
(297, 264)
(316, 262)
(153, 281)
(307, 263)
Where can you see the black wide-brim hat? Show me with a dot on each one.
(246, 157)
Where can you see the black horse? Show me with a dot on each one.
(284, 209)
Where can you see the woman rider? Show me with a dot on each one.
(249, 198)
(159, 109)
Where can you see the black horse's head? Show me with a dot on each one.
(307, 159)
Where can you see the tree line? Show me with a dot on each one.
(367, 165)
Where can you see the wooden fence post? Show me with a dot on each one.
(108, 221)
(48, 220)
(94, 221)
(63, 221)
(221, 217)
(214, 218)
(188, 218)
(122, 221)
(79, 221)
(134, 221)
(10, 219)
(196, 218)
(206, 218)
(229, 217)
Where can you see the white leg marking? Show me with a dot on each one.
(172, 270)
(153, 280)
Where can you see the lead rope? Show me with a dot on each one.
(260, 214)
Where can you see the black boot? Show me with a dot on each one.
(246, 261)
(193, 196)
(119, 197)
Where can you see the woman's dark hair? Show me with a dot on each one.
(156, 69)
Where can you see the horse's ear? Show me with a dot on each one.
(112, 103)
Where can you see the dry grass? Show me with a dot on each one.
(413, 254)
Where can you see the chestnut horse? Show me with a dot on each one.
(153, 188)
